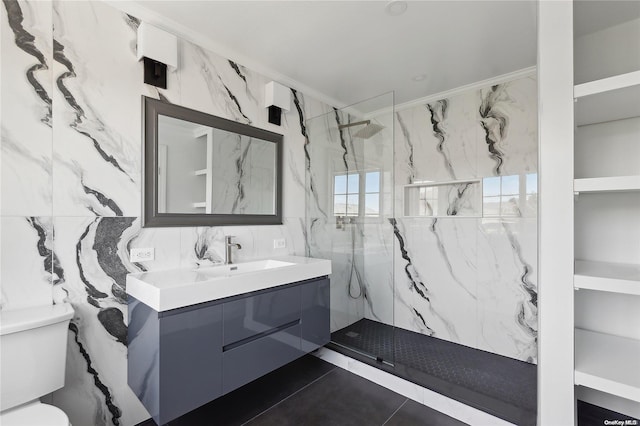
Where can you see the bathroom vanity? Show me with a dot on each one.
(195, 335)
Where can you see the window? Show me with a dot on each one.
(357, 194)
(514, 195)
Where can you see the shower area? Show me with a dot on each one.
(350, 201)
(428, 215)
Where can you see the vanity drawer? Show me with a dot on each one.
(247, 362)
(262, 313)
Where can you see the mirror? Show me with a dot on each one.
(203, 170)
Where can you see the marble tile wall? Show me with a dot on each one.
(471, 280)
(360, 248)
(71, 180)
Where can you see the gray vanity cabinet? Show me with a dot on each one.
(175, 358)
(315, 318)
(183, 358)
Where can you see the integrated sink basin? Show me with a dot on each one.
(243, 268)
(177, 288)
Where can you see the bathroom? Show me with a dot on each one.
(490, 269)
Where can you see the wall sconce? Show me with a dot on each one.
(277, 98)
(159, 49)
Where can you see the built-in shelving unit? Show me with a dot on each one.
(606, 276)
(608, 363)
(200, 205)
(607, 184)
(201, 172)
(607, 221)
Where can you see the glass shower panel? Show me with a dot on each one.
(349, 201)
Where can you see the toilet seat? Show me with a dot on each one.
(34, 414)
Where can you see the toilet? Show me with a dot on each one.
(33, 350)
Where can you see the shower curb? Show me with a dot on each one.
(417, 393)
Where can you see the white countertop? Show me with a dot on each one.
(176, 288)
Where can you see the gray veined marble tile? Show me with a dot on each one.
(228, 88)
(204, 246)
(27, 273)
(507, 287)
(507, 119)
(93, 254)
(96, 145)
(442, 268)
(26, 135)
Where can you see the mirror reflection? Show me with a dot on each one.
(205, 170)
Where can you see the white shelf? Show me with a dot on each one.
(608, 363)
(605, 276)
(201, 172)
(610, 184)
(607, 84)
(441, 183)
(609, 99)
(201, 205)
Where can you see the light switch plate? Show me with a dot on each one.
(279, 243)
(142, 254)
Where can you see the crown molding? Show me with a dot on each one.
(503, 78)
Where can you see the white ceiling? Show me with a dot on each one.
(592, 16)
(353, 50)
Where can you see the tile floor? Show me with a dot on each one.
(310, 391)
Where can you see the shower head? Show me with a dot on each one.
(369, 130)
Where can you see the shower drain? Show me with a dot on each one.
(352, 334)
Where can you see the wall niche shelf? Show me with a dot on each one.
(608, 363)
(200, 205)
(609, 99)
(443, 199)
(201, 172)
(604, 276)
(607, 184)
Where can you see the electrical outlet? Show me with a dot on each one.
(142, 254)
(279, 243)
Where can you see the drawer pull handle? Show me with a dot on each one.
(266, 333)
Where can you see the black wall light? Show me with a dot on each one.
(277, 98)
(159, 49)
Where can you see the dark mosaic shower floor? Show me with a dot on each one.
(496, 384)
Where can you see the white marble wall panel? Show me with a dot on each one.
(479, 134)
(436, 276)
(507, 287)
(94, 257)
(97, 155)
(508, 127)
(436, 141)
(27, 262)
(25, 128)
(377, 271)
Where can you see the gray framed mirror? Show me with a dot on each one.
(203, 170)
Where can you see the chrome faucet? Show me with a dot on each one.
(227, 249)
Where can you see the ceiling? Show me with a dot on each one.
(348, 51)
(592, 16)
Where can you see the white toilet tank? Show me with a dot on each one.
(33, 350)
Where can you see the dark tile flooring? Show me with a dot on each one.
(310, 391)
(501, 386)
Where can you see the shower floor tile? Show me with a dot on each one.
(499, 385)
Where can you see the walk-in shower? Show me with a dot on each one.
(432, 238)
(349, 203)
